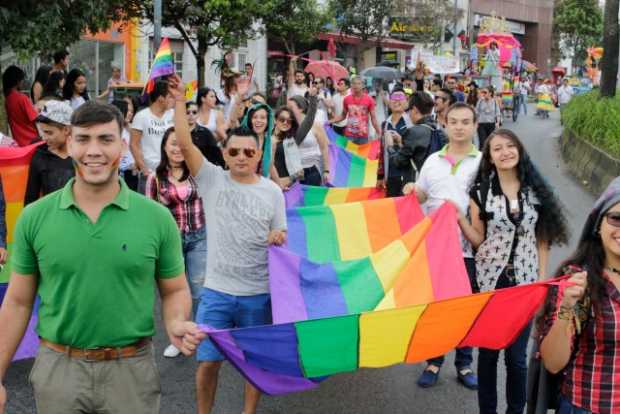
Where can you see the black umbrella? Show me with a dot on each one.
(381, 72)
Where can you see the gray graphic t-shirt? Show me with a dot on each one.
(239, 219)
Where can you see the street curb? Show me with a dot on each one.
(593, 167)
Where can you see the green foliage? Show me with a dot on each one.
(296, 22)
(596, 120)
(579, 24)
(363, 18)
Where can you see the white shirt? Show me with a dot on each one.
(441, 181)
(294, 90)
(153, 129)
(76, 102)
(338, 100)
(565, 93)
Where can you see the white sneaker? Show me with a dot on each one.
(172, 351)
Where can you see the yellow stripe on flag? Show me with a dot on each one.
(388, 301)
(352, 231)
(389, 262)
(384, 336)
(12, 212)
(336, 196)
(370, 173)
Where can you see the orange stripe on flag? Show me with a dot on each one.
(14, 180)
(416, 273)
(382, 223)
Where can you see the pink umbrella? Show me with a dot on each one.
(325, 68)
(503, 40)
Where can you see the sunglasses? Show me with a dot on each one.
(440, 97)
(285, 120)
(248, 152)
(317, 83)
(192, 112)
(613, 219)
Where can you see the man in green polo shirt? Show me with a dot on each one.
(94, 251)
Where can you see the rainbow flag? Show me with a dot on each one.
(350, 170)
(300, 195)
(292, 357)
(190, 90)
(411, 270)
(14, 166)
(163, 64)
(370, 151)
(350, 231)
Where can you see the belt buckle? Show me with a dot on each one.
(89, 354)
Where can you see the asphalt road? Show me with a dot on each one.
(389, 390)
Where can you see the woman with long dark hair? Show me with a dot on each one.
(52, 91)
(40, 79)
(259, 118)
(19, 109)
(75, 89)
(580, 323)
(209, 116)
(515, 218)
(172, 185)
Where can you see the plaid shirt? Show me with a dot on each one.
(189, 212)
(591, 379)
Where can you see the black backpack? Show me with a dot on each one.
(437, 142)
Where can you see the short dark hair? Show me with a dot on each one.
(462, 105)
(11, 78)
(240, 132)
(422, 102)
(249, 64)
(95, 113)
(190, 103)
(346, 81)
(299, 71)
(159, 89)
(451, 97)
(60, 56)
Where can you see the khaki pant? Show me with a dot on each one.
(64, 385)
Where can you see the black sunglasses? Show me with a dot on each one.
(613, 218)
(192, 112)
(248, 152)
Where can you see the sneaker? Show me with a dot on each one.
(467, 377)
(172, 351)
(428, 378)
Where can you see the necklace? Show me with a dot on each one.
(613, 270)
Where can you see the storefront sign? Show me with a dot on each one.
(493, 24)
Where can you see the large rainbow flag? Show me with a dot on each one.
(411, 270)
(163, 64)
(350, 170)
(370, 151)
(352, 230)
(14, 165)
(300, 195)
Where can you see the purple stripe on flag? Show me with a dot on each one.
(294, 196)
(341, 166)
(30, 342)
(267, 382)
(285, 286)
(296, 234)
(321, 290)
(272, 348)
(167, 68)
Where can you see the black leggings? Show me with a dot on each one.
(484, 130)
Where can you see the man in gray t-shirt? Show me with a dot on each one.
(245, 213)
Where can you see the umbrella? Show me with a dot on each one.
(327, 68)
(381, 72)
(503, 40)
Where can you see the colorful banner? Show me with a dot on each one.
(300, 195)
(370, 151)
(349, 170)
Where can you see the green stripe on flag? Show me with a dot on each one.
(328, 346)
(357, 170)
(360, 285)
(5, 274)
(321, 234)
(315, 196)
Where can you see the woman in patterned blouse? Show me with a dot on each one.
(514, 219)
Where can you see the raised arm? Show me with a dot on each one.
(308, 121)
(191, 153)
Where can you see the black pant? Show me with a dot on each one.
(394, 186)
(312, 176)
(339, 129)
(484, 130)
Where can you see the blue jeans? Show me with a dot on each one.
(523, 103)
(566, 407)
(223, 311)
(515, 357)
(195, 255)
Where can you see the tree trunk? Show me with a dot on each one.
(609, 64)
(200, 61)
(4, 121)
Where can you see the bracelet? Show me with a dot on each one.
(566, 313)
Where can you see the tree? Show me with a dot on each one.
(579, 24)
(296, 22)
(364, 18)
(206, 23)
(433, 14)
(609, 64)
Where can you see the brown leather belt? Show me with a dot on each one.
(98, 354)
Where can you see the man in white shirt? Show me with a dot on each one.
(148, 128)
(342, 90)
(446, 177)
(565, 93)
(296, 80)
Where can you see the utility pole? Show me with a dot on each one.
(454, 31)
(157, 26)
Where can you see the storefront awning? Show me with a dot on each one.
(355, 40)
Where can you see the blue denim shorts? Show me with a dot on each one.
(222, 311)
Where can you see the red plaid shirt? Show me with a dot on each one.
(591, 380)
(188, 212)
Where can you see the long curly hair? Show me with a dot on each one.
(552, 225)
(292, 131)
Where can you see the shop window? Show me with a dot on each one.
(95, 59)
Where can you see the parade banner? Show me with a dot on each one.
(350, 231)
(442, 65)
(413, 269)
(370, 151)
(300, 195)
(350, 170)
(292, 357)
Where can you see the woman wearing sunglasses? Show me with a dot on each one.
(514, 219)
(172, 185)
(579, 329)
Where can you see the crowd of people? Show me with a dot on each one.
(213, 172)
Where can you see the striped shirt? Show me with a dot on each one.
(183, 202)
(591, 379)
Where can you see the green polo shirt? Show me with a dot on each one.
(96, 281)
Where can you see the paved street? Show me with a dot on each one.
(391, 390)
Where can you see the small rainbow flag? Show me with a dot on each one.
(300, 195)
(163, 64)
(350, 170)
(190, 90)
(350, 231)
(411, 270)
(14, 166)
(370, 151)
